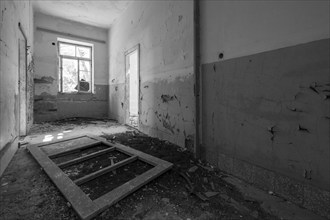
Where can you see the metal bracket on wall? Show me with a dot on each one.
(85, 207)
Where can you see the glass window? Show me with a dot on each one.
(84, 52)
(67, 49)
(75, 66)
(70, 75)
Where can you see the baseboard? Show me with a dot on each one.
(299, 193)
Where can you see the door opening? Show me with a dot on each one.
(132, 75)
(22, 84)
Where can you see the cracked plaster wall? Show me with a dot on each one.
(49, 104)
(164, 30)
(13, 12)
(263, 105)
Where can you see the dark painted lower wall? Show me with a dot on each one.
(166, 108)
(49, 107)
(266, 120)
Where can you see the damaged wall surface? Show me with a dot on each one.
(9, 76)
(164, 30)
(49, 104)
(266, 110)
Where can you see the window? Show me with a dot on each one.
(75, 65)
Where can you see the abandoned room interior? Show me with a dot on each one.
(168, 109)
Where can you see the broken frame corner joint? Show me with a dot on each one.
(81, 203)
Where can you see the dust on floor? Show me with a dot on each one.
(191, 190)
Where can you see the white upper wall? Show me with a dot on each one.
(239, 28)
(46, 53)
(70, 26)
(164, 30)
(12, 13)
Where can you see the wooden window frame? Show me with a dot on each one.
(81, 203)
(61, 57)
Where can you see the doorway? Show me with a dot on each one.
(133, 85)
(22, 84)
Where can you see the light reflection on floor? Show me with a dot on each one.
(49, 137)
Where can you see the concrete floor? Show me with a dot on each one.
(46, 132)
(27, 193)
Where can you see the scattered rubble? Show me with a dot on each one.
(192, 169)
(177, 194)
(211, 194)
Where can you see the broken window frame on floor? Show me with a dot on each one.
(81, 203)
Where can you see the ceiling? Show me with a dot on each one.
(100, 13)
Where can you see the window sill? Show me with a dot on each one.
(76, 93)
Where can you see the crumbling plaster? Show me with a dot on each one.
(49, 103)
(164, 30)
(9, 113)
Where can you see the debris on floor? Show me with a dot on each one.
(27, 193)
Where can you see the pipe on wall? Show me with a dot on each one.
(197, 150)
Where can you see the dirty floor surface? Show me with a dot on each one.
(191, 190)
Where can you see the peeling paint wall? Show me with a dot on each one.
(13, 12)
(49, 104)
(164, 30)
(30, 83)
(265, 104)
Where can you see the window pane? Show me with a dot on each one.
(84, 52)
(85, 66)
(70, 75)
(67, 49)
(85, 81)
